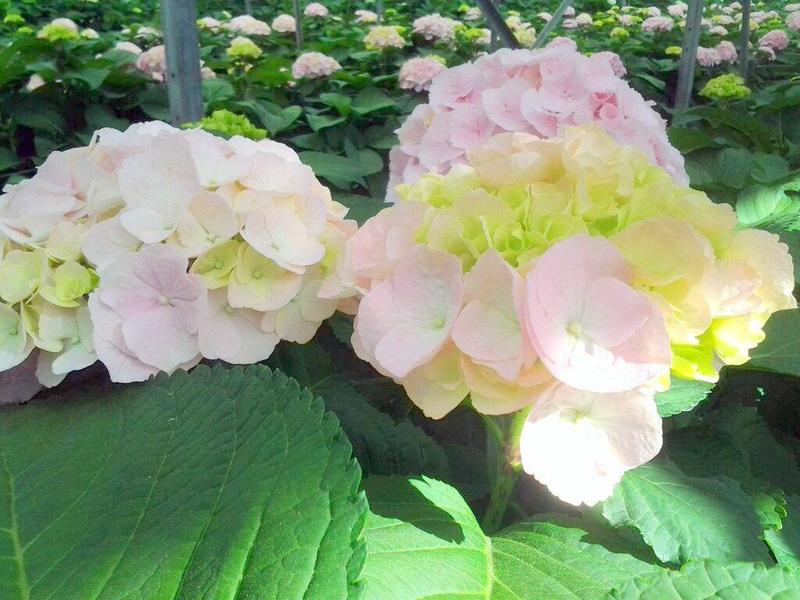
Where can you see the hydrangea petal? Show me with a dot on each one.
(580, 443)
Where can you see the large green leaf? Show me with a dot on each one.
(768, 459)
(361, 207)
(684, 517)
(785, 543)
(218, 484)
(339, 170)
(423, 542)
(682, 395)
(704, 580)
(370, 100)
(780, 352)
(706, 451)
(543, 560)
(382, 446)
(768, 207)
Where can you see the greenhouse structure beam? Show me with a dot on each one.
(182, 47)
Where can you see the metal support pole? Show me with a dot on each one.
(691, 39)
(379, 10)
(744, 40)
(298, 24)
(496, 23)
(179, 21)
(541, 40)
(248, 7)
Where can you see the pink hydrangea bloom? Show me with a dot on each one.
(657, 24)
(169, 218)
(128, 47)
(793, 21)
(767, 53)
(708, 57)
(727, 52)
(418, 73)
(435, 28)
(284, 24)
(366, 16)
(776, 40)
(615, 61)
(313, 65)
(540, 92)
(591, 329)
(677, 10)
(153, 62)
(247, 25)
(146, 313)
(718, 30)
(405, 320)
(315, 9)
(579, 444)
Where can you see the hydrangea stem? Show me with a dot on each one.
(504, 433)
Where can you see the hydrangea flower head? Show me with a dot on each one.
(384, 37)
(247, 25)
(569, 274)
(725, 87)
(314, 65)
(157, 247)
(242, 48)
(284, 24)
(59, 30)
(539, 92)
(435, 28)
(418, 73)
(315, 9)
(366, 17)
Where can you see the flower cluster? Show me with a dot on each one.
(209, 23)
(678, 10)
(59, 30)
(224, 122)
(384, 37)
(313, 65)
(284, 24)
(152, 62)
(247, 25)
(366, 17)
(538, 92)
(436, 28)
(708, 57)
(315, 9)
(657, 24)
(418, 73)
(522, 30)
(243, 48)
(571, 275)
(793, 21)
(154, 247)
(129, 47)
(776, 40)
(147, 33)
(725, 87)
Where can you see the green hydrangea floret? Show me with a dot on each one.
(229, 124)
(725, 87)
